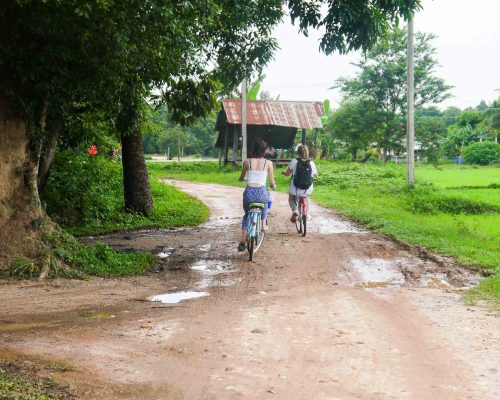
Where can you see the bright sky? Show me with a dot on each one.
(468, 50)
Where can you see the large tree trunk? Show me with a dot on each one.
(136, 186)
(21, 213)
(48, 152)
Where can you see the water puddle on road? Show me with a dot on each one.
(177, 297)
(378, 272)
(325, 223)
(211, 273)
(166, 252)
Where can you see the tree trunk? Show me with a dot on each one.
(136, 186)
(178, 148)
(21, 214)
(354, 153)
(48, 152)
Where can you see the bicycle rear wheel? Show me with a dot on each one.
(304, 221)
(250, 244)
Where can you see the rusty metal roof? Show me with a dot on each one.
(294, 114)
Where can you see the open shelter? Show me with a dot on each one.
(277, 122)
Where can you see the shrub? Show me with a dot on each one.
(482, 153)
(82, 188)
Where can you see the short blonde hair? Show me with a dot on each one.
(303, 151)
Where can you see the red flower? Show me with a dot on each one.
(92, 150)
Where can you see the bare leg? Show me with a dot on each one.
(292, 201)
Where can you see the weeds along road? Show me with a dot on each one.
(340, 314)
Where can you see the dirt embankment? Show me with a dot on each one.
(340, 314)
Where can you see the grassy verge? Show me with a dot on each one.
(462, 223)
(85, 196)
(173, 208)
(18, 382)
(65, 256)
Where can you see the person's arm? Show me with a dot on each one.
(314, 170)
(244, 170)
(287, 172)
(270, 172)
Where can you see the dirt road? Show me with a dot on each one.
(341, 314)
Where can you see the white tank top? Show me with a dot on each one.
(256, 178)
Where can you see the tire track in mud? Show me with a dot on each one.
(342, 314)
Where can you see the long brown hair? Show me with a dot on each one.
(258, 148)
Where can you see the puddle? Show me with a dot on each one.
(209, 271)
(174, 298)
(324, 223)
(205, 247)
(165, 253)
(378, 272)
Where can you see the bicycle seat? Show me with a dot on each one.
(257, 205)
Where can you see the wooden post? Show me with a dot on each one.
(244, 119)
(411, 109)
(178, 148)
(219, 156)
(226, 138)
(315, 152)
(303, 136)
(235, 148)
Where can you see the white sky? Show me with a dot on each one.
(468, 50)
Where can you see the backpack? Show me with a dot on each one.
(303, 175)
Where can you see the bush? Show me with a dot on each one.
(83, 188)
(482, 153)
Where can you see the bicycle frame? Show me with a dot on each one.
(255, 236)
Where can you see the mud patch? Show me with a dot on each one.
(177, 297)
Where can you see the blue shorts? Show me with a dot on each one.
(252, 194)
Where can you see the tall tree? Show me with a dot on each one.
(60, 56)
(353, 125)
(381, 79)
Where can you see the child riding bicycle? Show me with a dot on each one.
(303, 171)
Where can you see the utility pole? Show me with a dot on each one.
(244, 119)
(410, 115)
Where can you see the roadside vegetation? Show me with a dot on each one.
(20, 381)
(99, 208)
(459, 222)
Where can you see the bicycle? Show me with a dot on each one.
(255, 235)
(301, 221)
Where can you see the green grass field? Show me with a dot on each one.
(455, 176)
(462, 223)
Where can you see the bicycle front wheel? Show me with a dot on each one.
(298, 223)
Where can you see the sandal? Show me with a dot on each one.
(242, 246)
(293, 219)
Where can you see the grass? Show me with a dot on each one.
(455, 176)
(173, 208)
(462, 223)
(68, 257)
(15, 387)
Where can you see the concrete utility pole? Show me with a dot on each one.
(244, 118)
(410, 115)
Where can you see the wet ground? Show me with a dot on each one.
(340, 314)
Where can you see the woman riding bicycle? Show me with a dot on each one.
(301, 185)
(256, 169)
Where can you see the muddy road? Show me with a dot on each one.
(341, 314)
